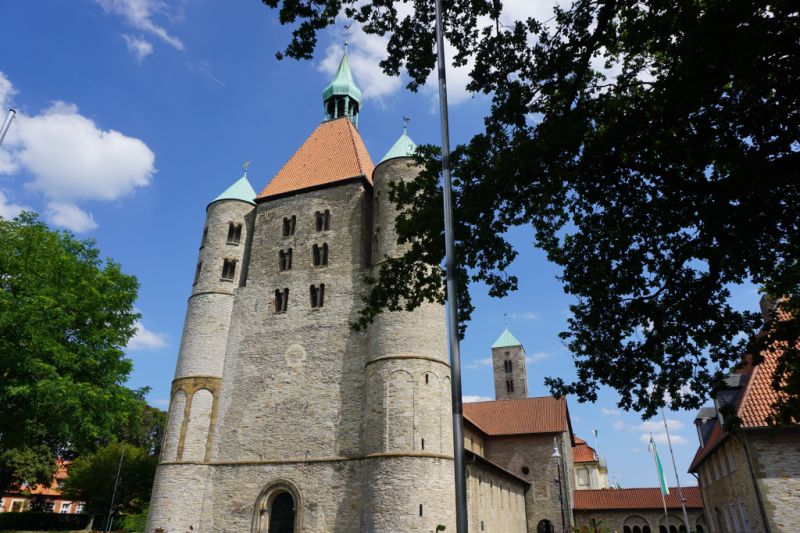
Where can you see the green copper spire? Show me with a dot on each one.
(342, 98)
(241, 190)
(403, 147)
(505, 340)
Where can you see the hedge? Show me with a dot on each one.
(44, 521)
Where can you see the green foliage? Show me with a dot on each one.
(91, 479)
(147, 430)
(132, 523)
(594, 526)
(65, 317)
(655, 189)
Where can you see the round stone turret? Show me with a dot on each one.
(407, 424)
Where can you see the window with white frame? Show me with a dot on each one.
(79, 508)
(65, 507)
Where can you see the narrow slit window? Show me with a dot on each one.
(316, 255)
(234, 233)
(285, 260)
(289, 259)
(198, 271)
(318, 223)
(326, 220)
(228, 268)
(317, 295)
(281, 300)
(423, 443)
(205, 236)
(325, 254)
(420, 509)
(508, 366)
(289, 224)
(426, 378)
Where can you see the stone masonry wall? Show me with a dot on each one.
(534, 452)
(776, 458)
(652, 518)
(496, 502)
(728, 493)
(518, 375)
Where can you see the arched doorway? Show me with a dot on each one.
(544, 526)
(281, 514)
(277, 509)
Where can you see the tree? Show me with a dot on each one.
(147, 430)
(653, 149)
(65, 316)
(92, 477)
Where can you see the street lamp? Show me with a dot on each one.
(557, 455)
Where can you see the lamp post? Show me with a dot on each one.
(557, 455)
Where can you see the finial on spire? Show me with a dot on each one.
(346, 45)
(406, 120)
(505, 317)
(245, 166)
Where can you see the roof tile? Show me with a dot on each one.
(518, 417)
(333, 152)
(641, 498)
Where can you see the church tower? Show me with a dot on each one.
(183, 469)
(284, 419)
(508, 362)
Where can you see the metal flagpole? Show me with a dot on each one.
(114, 493)
(452, 300)
(655, 460)
(7, 124)
(677, 480)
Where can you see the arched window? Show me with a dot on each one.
(700, 529)
(289, 225)
(662, 529)
(637, 529)
(281, 300)
(326, 219)
(319, 254)
(646, 529)
(626, 529)
(318, 221)
(544, 526)
(673, 529)
(285, 259)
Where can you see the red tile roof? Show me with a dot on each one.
(753, 406)
(625, 499)
(518, 417)
(333, 152)
(756, 401)
(582, 452)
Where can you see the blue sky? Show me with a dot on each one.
(134, 114)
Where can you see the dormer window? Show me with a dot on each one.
(234, 233)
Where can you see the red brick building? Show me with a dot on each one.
(20, 499)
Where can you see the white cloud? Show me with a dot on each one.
(607, 411)
(654, 425)
(619, 425)
(480, 363)
(661, 438)
(535, 357)
(7, 91)
(364, 54)
(9, 209)
(70, 159)
(145, 339)
(139, 47)
(524, 316)
(139, 14)
(472, 399)
(70, 216)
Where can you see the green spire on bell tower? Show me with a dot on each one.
(342, 98)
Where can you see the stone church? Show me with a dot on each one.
(282, 419)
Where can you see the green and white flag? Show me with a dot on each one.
(662, 481)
